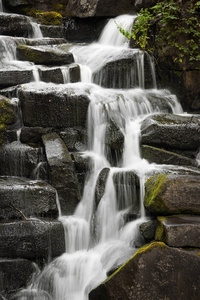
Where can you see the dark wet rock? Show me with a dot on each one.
(83, 29)
(53, 106)
(74, 73)
(15, 25)
(52, 31)
(43, 42)
(15, 273)
(148, 229)
(161, 156)
(74, 138)
(139, 4)
(43, 55)
(154, 272)
(122, 72)
(171, 132)
(51, 75)
(179, 231)
(172, 194)
(101, 185)
(114, 138)
(18, 159)
(61, 172)
(15, 77)
(33, 135)
(81, 161)
(32, 239)
(22, 198)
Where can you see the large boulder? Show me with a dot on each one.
(23, 198)
(172, 194)
(53, 106)
(154, 272)
(171, 131)
(44, 55)
(179, 231)
(32, 239)
(61, 172)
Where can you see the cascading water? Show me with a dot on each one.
(98, 237)
(1, 6)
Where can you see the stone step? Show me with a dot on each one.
(22, 198)
(11, 77)
(53, 106)
(18, 159)
(44, 55)
(179, 231)
(32, 239)
(15, 25)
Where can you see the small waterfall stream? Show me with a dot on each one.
(98, 239)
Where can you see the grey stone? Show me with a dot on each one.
(20, 198)
(15, 77)
(31, 239)
(148, 229)
(15, 25)
(61, 172)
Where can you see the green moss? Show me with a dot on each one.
(49, 18)
(153, 200)
(7, 117)
(160, 234)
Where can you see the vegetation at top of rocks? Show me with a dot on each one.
(171, 23)
(45, 17)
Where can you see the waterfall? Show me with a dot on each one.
(98, 238)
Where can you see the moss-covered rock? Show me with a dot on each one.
(172, 194)
(154, 272)
(49, 18)
(7, 116)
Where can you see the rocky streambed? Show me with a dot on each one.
(85, 137)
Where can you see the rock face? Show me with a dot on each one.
(31, 239)
(154, 272)
(21, 273)
(171, 131)
(7, 116)
(49, 107)
(179, 231)
(61, 172)
(22, 197)
(172, 194)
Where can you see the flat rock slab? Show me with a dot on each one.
(61, 172)
(15, 25)
(21, 197)
(171, 131)
(156, 271)
(161, 156)
(54, 106)
(31, 239)
(179, 231)
(172, 194)
(44, 55)
(15, 273)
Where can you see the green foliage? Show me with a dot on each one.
(171, 24)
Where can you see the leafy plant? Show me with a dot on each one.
(169, 23)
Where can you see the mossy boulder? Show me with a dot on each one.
(7, 116)
(49, 18)
(172, 194)
(156, 271)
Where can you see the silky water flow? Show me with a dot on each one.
(98, 236)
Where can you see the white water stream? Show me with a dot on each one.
(98, 239)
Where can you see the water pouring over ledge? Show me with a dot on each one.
(98, 237)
